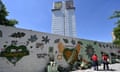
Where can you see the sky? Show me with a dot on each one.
(92, 16)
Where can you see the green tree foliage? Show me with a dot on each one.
(116, 30)
(116, 14)
(3, 15)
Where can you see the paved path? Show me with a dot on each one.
(113, 68)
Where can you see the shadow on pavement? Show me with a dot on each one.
(107, 70)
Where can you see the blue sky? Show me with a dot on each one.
(92, 16)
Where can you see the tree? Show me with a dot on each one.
(116, 30)
(3, 15)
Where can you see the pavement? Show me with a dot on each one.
(113, 68)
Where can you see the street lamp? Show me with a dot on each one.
(0, 5)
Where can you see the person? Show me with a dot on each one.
(95, 61)
(105, 61)
(52, 67)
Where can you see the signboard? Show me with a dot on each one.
(69, 4)
(58, 5)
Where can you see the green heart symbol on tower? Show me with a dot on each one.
(14, 53)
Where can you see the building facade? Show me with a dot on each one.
(63, 18)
